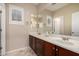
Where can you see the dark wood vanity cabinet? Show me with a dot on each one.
(49, 49)
(65, 52)
(43, 48)
(31, 41)
(39, 47)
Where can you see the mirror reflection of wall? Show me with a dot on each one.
(46, 19)
(67, 12)
(46, 24)
(49, 22)
(75, 24)
(58, 23)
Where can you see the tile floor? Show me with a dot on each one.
(26, 52)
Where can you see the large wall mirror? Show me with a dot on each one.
(62, 21)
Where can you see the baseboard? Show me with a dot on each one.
(16, 50)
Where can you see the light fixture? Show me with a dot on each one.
(37, 18)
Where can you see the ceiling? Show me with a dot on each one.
(36, 4)
(50, 6)
(53, 7)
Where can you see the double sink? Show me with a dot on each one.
(65, 41)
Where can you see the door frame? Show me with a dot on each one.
(61, 26)
(3, 27)
(74, 13)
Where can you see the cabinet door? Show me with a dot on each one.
(65, 52)
(39, 47)
(49, 49)
(31, 41)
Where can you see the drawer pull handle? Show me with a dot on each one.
(56, 49)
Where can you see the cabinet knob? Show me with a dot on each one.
(53, 48)
(56, 49)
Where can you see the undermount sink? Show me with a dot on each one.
(65, 42)
(69, 42)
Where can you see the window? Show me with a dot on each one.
(16, 15)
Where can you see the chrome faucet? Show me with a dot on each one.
(65, 38)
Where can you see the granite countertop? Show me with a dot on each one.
(56, 39)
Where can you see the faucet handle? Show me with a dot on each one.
(65, 38)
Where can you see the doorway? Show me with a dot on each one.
(2, 29)
(0, 32)
(75, 24)
(59, 25)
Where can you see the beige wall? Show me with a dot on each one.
(67, 13)
(44, 14)
(17, 35)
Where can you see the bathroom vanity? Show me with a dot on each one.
(45, 46)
